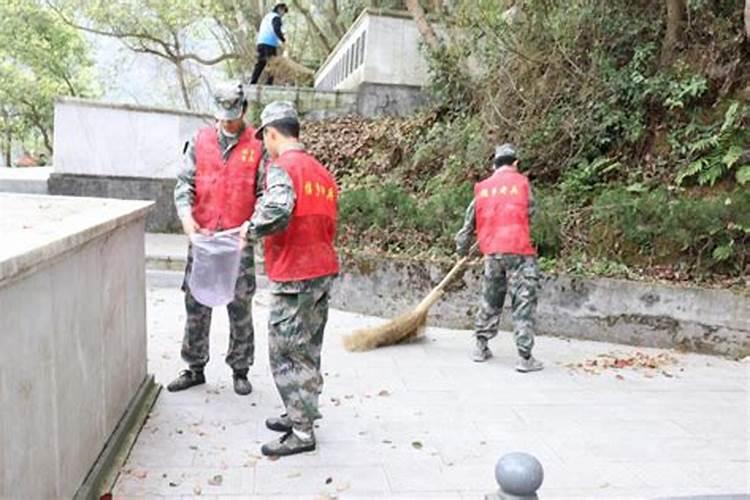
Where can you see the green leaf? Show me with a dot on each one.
(731, 156)
(723, 252)
(743, 175)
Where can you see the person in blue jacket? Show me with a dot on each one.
(270, 37)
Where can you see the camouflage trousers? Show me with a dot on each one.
(241, 351)
(297, 320)
(522, 273)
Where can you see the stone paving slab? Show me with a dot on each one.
(423, 421)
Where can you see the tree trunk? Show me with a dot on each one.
(327, 45)
(428, 34)
(747, 19)
(244, 28)
(333, 19)
(8, 145)
(183, 85)
(676, 13)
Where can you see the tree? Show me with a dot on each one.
(321, 35)
(747, 18)
(423, 25)
(676, 14)
(167, 30)
(40, 58)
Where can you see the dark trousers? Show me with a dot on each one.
(265, 53)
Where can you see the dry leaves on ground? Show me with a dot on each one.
(648, 364)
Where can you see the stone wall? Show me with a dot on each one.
(72, 336)
(162, 219)
(627, 312)
(381, 47)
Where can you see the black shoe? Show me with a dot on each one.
(279, 424)
(186, 380)
(242, 385)
(288, 444)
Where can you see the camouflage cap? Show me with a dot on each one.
(506, 150)
(277, 110)
(229, 100)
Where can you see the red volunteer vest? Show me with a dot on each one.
(502, 214)
(225, 192)
(304, 250)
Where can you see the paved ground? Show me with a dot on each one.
(422, 421)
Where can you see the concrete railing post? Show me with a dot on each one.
(519, 476)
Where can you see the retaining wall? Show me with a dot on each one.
(642, 314)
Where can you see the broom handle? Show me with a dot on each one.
(437, 292)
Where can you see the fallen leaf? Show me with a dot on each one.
(619, 377)
(384, 393)
(416, 445)
(193, 447)
(329, 480)
(140, 474)
(216, 480)
(174, 484)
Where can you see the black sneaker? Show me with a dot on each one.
(279, 424)
(242, 385)
(288, 444)
(186, 380)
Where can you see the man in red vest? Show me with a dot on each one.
(296, 217)
(500, 216)
(216, 190)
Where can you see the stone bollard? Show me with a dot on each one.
(519, 476)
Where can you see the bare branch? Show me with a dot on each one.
(311, 21)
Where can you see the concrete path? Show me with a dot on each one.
(423, 421)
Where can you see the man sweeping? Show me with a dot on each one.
(296, 216)
(500, 215)
(269, 39)
(216, 190)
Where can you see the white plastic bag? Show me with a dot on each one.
(216, 265)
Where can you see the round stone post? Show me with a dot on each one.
(519, 476)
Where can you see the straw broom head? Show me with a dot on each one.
(399, 329)
(403, 327)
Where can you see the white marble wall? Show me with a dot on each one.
(392, 53)
(93, 138)
(72, 335)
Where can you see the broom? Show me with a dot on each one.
(405, 326)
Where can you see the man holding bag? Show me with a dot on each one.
(216, 190)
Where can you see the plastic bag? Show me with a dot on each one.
(216, 265)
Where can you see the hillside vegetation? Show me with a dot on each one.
(638, 146)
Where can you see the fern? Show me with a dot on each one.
(718, 150)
